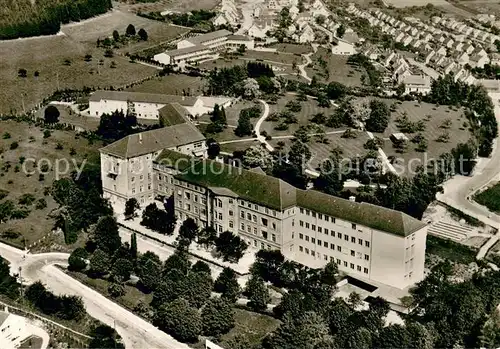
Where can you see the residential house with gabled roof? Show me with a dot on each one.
(469, 48)
(478, 61)
(449, 42)
(420, 84)
(407, 40)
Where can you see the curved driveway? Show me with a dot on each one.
(135, 332)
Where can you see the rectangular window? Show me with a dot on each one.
(313, 214)
(325, 244)
(360, 241)
(353, 253)
(274, 226)
(220, 216)
(320, 230)
(273, 237)
(307, 237)
(353, 239)
(346, 237)
(339, 248)
(301, 210)
(320, 242)
(313, 227)
(313, 240)
(230, 201)
(301, 249)
(242, 214)
(333, 220)
(249, 217)
(367, 257)
(346, 264)
(358, 267)
(249, 229)
(313, 253)
(243, 226)
(325, 257)
(264, 234)
(326, 218)
(339, 261)
(332, 246)
(367, 243)
(301, 236)
(307, 250)
(352, 265)
(254, 218)
(308, 212)
(327, 231)
(320, 216)
(231, 224)
(301, 223)
(231, 213)
(353, 226)
(255, 231)
(264, 222)
(339, 235)
(307, 225)
(365, 270)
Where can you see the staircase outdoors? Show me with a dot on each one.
(450, 231)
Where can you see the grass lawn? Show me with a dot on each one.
(490, 198)
(32, 342)
(129, 300)
(67, 116)
(292, 48)
(278, 56)
(351, 147)
(174, 5)
(438, 115)
(279, 68)
(171, 85)
(31, 144)
(450, 250)
(309, 109)
(239, 146)
(338, 69)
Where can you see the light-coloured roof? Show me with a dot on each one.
(142, 97)
(187, 50)
(417, 80)
(155, 140)
(200, 39)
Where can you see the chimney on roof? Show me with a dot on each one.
(352, 198)
(140, 138)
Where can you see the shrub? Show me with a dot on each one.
(14, 145)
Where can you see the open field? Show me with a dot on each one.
(450, 250)
(309, 109)
(337, 67)
(280, 68)
(434, 129)
(279, 57)
(67, 116)
(47, 55)
(409, 3)
(238, 146)
(292, 48)
(171, 85)
(174, 5)
(16, 181)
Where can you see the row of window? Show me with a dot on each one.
(332, 234)
(165, 178)
(329, 245)
(338, 260)
(187, 206)
(141, 177)
(187, 196)
(324, 217)
(253, 218)
(141, 188)
(248, 228)
(257, 207)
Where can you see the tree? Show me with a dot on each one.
(116, 290)
(207, 236)
(257, 156)
(106, 235)
(219, 116)
(198, 288)
(244, 127)
(292, 304)
(392, 336)
(143, 34)
(77, 259)
(361, 338)
(179, 261)
(106, 337)
(130, 208)
(331, 178)
(213, 148)
(341, 31)
(201, 267)
(258, 294)
(122, 268)
(379, 117)
(267, 265)
(22, 73)
(99, 263)
(51, 114)
(227, 285)
(116, 35)
(187, 232)
(217, 317)
(133, 246)
(8, 284)
(130, 31)
(180, 320)
(149, 267)
(159, 220)
(231, 247)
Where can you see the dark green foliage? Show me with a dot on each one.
(130, 208)
(46, 19)
(105, 337)
(217, 317)
(244, 127)
(374, 76)
(51, 114)
(143, 34)
(133, 246)
(77, 259)
(63, 307)
(258, 294)
(106, 235)
(231, 247)
(149, 267)
(201, 267)
(180, 320)
(227, 285)
(257, 69)
(8, 284)
(379, 117)
(100, 263)
(122, 268)
(116, 125)
(227, 81)
(130, 31)
(267, 265)
(193, 18)
(213, 148)
(158, 220)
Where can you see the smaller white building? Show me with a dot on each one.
(417, 84)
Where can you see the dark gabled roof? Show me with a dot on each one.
(372, 216)
(274, 193)
(258, 188)
(154, 140)
(142, 97)
(173, 114)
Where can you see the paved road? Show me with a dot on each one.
(260, 137)
(135, 332)
(302, 67)
(427, 70)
